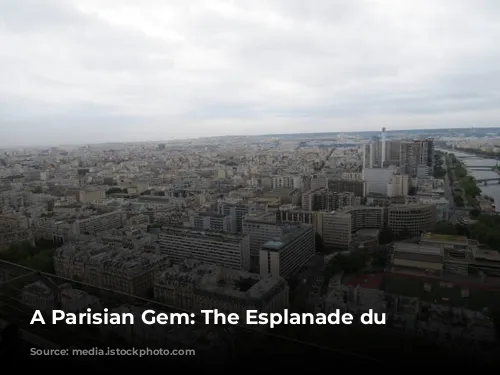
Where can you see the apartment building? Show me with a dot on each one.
(128, 238)
(224, 249)
(372, 153)
(415, 154)
(13, 222)
(319, 182)
(442, 207)
(194, 286)
(261, 231)
(100, 222)
(279, 196)
(292, 182)
(284, 256)
(450, 254)
(122, 270)
(71, 227)
(211, 221)
(137, 220)
(354, 176)
(363, 217)
(409, 158)
(294, 214)
(236, 211)
(399, 185)
(377, 180)
(338, 227)
(337, 230)
(413, 219)
(354, 186)
(393, 151)
(325, 200)
(90, 195)
(39, 296)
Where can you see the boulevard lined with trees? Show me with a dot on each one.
(466, 193)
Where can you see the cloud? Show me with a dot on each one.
(88, 70)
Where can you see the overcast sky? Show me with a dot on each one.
(80, 71)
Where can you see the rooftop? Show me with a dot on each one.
(491, 255)
(211, 214)
(208, 278)
(443, 292)
(444, 238)
(207, 235)
(108, 258)
(289, 235)
(407, 247)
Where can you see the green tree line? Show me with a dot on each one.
(458, 173)
(488, 154)
(439, 167)
(486, 230)
(36, 257)
(116, 190)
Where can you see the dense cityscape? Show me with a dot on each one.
(403, 223)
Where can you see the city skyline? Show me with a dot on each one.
(361, 133)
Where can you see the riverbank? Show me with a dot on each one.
(477, 152)
(464, 188)
(472, 162)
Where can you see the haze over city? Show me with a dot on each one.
(94, 71)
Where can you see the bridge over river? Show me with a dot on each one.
(485, 181)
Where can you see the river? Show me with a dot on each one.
(471, 161)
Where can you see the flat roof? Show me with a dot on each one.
(444, 238)
(289, 235)
(491, 255)
(274, 245)
(441, 291)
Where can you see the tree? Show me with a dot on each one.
(404, 234)
(445, 227)
(319, 243)
(380, 258)
(495, 316)
(486, 231)
(459, 201)
(114, 190)
(244, 284)
(385, 236)
(18, 251)
(42, 262)
(474, 213)
(439, 171)
(347, 263)
(350, 263)
(26, 254)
